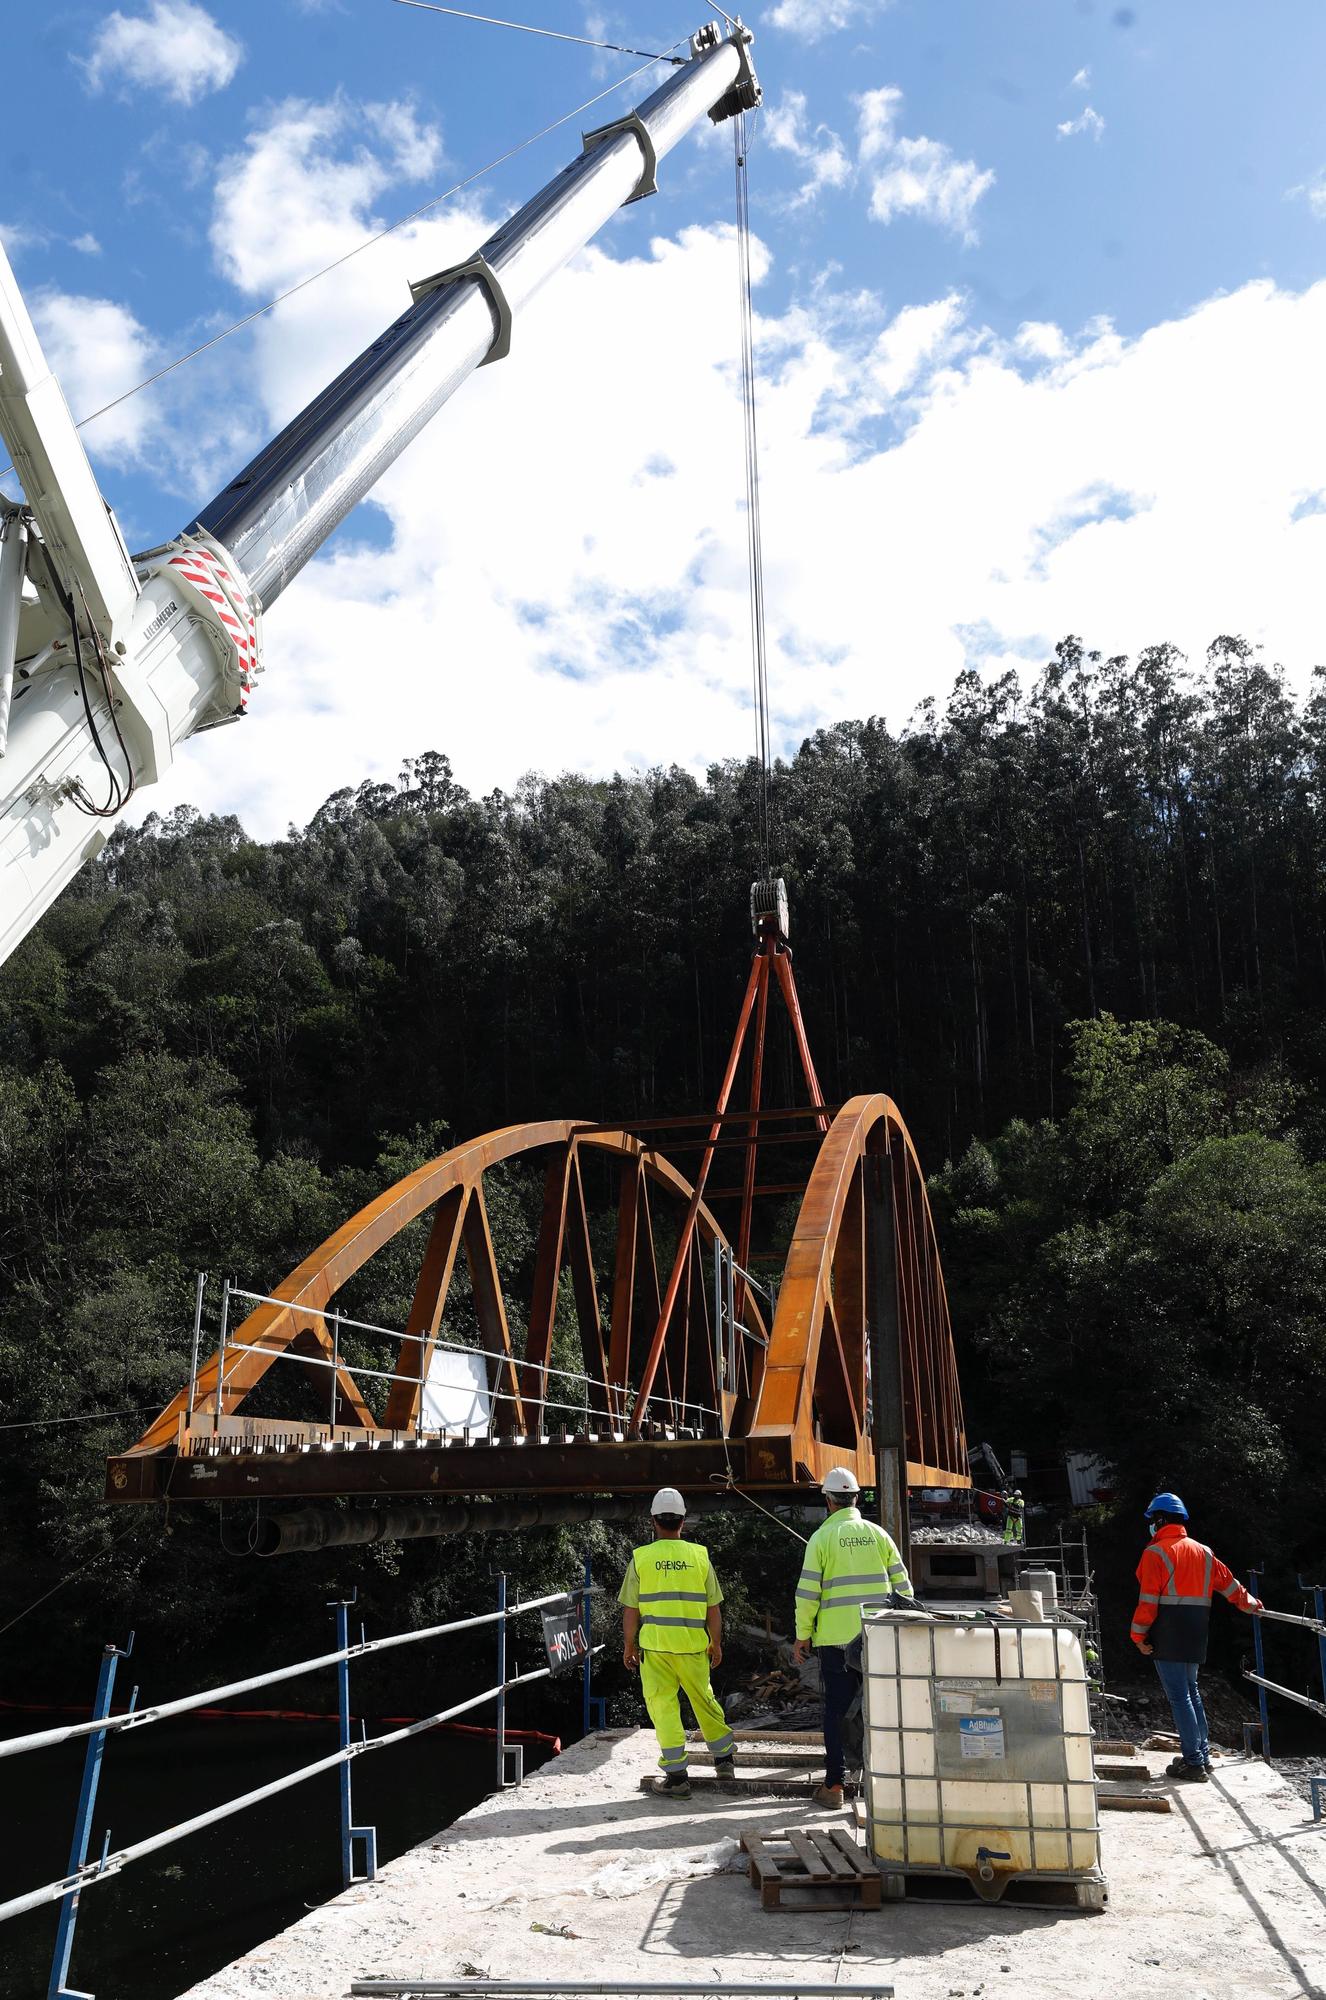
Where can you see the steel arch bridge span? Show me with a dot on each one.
(656, 1403)
(862, 1344)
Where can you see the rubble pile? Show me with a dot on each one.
(956, 1531)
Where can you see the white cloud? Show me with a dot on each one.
(565, 585)
(1040, 340)
(175, 47)
(924, 179)
(920, 177)
(877, 115)
(1089, 122)
(918, 337)
(1081, 80)
(1314, 193)
(811, 20)
(97, 350)
(87, 244)
(820, 151)
(301, 191)
(18, 236)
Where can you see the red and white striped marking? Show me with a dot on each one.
(208, 576)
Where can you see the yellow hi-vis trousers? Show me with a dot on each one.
(662, 1678)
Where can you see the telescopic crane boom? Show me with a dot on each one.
(108, 663)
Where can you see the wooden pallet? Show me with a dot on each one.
(816, 1867)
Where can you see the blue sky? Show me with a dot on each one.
(1024, 266)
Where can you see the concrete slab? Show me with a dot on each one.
(1223, 1899)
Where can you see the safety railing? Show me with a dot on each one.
(1315, 1624)
(356, 1842)
(684, 1412)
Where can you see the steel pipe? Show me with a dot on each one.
(1290, 1694)
(790, 1988)
(98, 1871)
(277, 513)
(1292, 1618)
(42, 1739)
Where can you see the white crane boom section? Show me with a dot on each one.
(107, 665)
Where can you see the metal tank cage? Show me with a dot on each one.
(1091, 1878)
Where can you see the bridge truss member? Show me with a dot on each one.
(671, 1602)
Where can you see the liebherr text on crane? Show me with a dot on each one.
(108, 661)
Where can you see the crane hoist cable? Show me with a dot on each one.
(754, 539)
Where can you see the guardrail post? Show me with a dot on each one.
(1319, 1613)
(1260, 1658)
(501, 1680)
(350, 1833)
(87, 1801)
(593, 1704)
(507, 1780)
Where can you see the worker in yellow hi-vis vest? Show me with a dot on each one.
(851, 1565)
(674, 1634)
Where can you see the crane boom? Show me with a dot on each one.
(111, 665)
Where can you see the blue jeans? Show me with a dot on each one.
(840, 1689)
(1179, 1680)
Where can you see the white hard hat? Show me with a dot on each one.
(840, 1482)
(666, 1501)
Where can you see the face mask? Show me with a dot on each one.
(1153, 1528)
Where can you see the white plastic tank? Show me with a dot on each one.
(978, 1750)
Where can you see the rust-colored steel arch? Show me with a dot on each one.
(672, 1392)
(452, 1187)
(863, 1260)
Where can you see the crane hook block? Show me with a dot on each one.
(635, 124)
(474, 267)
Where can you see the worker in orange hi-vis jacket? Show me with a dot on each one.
(1176, 1577)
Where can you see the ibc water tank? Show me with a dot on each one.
(978, 1751)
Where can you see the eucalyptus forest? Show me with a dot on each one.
(1071, 922)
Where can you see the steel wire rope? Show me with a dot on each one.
(402, 222)
(96, 1556)
(86, 1417)
(552, 34)
(754, 536)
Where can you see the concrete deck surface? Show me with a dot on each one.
(1223, 1899)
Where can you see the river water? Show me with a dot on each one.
(151, 1932)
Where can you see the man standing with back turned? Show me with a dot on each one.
(673, 1630)
(1176, 1577)
(850, 1563)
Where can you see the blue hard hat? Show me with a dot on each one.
(1167, 1503)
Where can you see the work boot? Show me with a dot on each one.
(676, 1785)
(1193, 1774)
(725, 1770)
(829, 1795)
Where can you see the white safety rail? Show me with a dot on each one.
(684, 1412)
(110, 1864)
